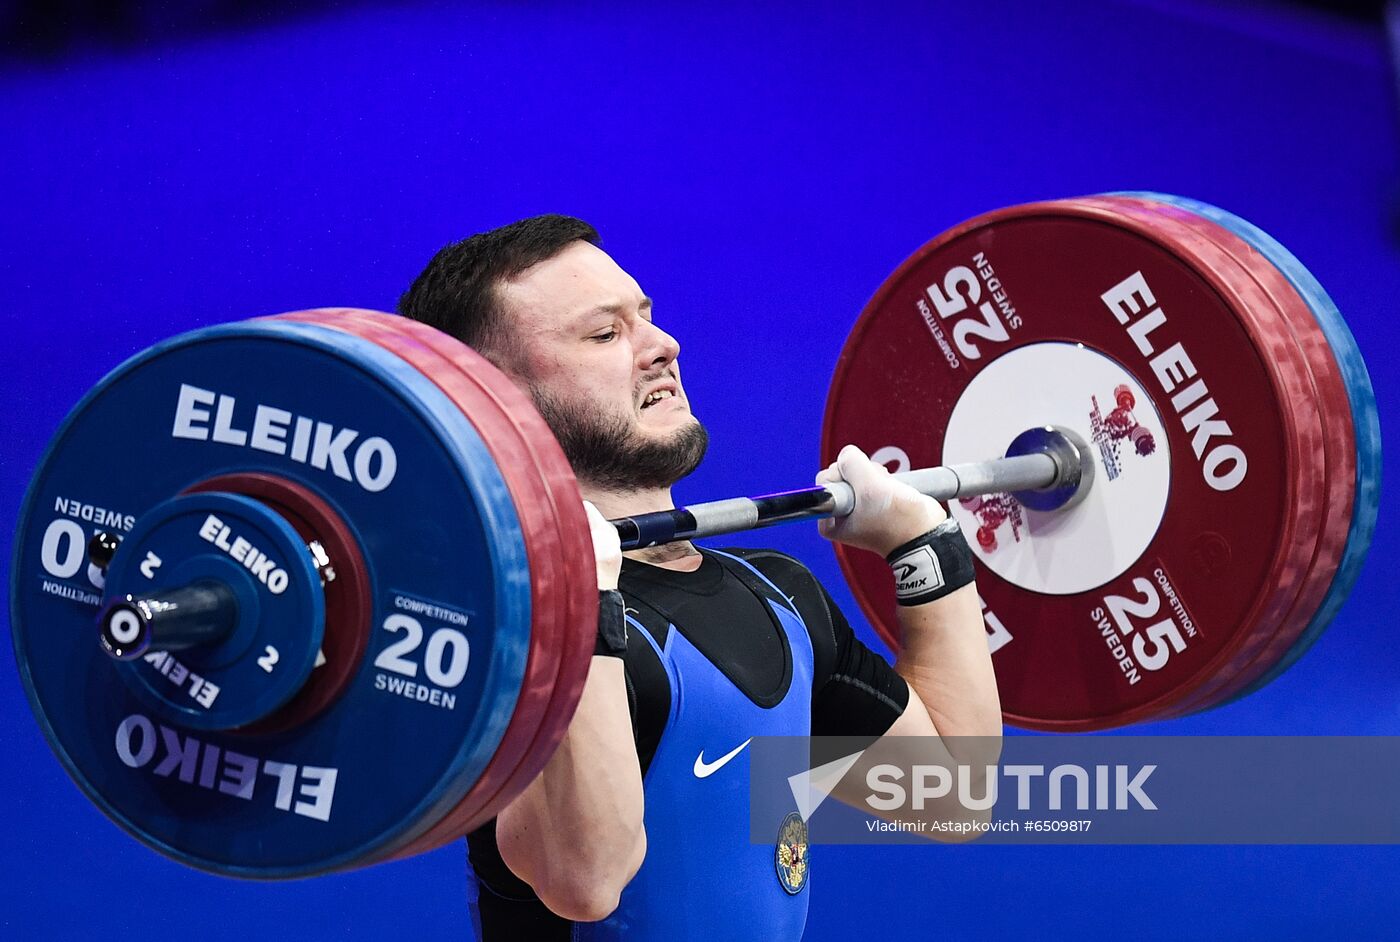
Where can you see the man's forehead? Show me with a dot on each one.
(579, 282)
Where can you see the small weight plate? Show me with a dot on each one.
(278, 615)
(349, 605)
(1178, 563)
(434, 519)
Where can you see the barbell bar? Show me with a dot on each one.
(205, 612)
(1051, 461)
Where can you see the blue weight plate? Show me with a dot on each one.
(271, 647)
(387, 451)
(1365, 421)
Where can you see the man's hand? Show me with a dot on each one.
(943, 655)
(607, 548)
(888, 512)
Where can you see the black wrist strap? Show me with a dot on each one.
(931, 566)
(612, 625)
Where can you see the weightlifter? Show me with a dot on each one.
(639, 824)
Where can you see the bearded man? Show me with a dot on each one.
(639, 823)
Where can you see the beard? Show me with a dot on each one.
(608, 453)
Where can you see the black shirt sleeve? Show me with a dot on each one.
(855, 692)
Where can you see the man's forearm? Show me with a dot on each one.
(575, 834)
(944, 658)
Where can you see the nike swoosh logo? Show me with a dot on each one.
(705, 769)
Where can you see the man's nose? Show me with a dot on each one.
(657, 346)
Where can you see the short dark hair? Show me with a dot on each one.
(456, 293)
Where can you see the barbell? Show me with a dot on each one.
(344, 599)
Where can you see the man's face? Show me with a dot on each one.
(602, 374)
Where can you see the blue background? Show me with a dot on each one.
(760, 171)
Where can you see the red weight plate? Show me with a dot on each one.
(1333, 414)
(349, 607)
(582, 600)
(1202, 518)
(1328, 392)
(570, 588)
(541, 541)
(476, 398)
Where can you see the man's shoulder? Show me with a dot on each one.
(787, 572)
(804, 591)
(756, 554)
